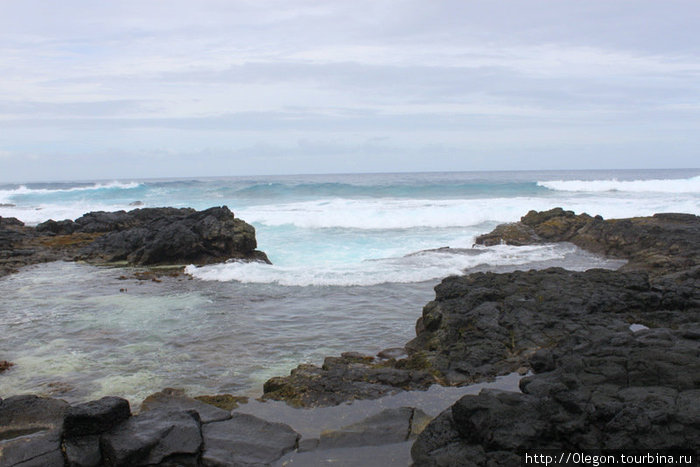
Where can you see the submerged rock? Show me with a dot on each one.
(387, 427)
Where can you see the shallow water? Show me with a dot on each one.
(355, 258)
(80, 332)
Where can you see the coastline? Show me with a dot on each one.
(658, 287)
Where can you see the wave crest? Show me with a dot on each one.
(684, 185)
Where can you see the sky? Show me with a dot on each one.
(172, 88)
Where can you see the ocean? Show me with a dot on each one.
(355, 257)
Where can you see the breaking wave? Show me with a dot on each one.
(683, 185)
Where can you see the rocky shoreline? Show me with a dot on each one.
(612, 357)
(141, 237)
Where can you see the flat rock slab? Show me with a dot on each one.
(152, 436)
(246, 440)
(175, 399)
(387, 427)
(30, 431)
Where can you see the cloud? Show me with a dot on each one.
(140, 77)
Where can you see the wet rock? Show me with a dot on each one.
(175, 399)
(95, 417)
(620, 390)
(485, 324)
(30, 431)
(662, 243)
(172, 236)
(343, 379)
(83, 451)
(246, 440)
(387, 427)
(149, 236)
(151, 437)
(5, 365)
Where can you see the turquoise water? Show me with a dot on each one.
(352, 270)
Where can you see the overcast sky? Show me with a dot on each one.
(135, 89)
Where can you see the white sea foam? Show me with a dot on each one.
(424, 266)
(685, 185)
(7, 195)
(405, 214)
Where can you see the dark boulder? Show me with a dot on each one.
(150, 236)
(153, 437)
(95, 417)
(172, 236)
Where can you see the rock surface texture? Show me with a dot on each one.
(597, 384)
(149, 236)
(45, 432)
(658, 244)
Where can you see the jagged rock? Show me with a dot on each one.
(662, 243)
(30, 431)
(246, 440)
(387, 427)
(485, 324)
(151, 437)
(343, 379)
(620, 390)
(150, 236)
(10, 222)
(64, 227)
(170, 236)
(175, 399)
